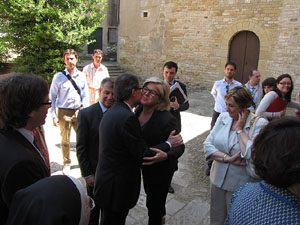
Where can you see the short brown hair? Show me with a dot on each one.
(241, 95)
(70, 52)
(98, 51)
(276, 152)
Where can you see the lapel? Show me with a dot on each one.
(227, 122)
(98, 111)
(20, 139)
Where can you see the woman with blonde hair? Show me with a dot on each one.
(156, 123)
(229, 145)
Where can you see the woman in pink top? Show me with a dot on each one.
(273, 104)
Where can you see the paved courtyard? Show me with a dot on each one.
(189, 205)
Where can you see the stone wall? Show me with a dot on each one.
(197, 33)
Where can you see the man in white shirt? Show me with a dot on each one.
(220, 89)
(95, 72)
(255, 88)
(68, 93)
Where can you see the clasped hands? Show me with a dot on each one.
(175, 140)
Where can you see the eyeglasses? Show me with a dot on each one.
(91, 203)
(285, 83)
(49, 102)
(151, 92)
(227, 88)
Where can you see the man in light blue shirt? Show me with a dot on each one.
(255, 88)
(68, 93)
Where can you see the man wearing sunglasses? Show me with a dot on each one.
(23, 107)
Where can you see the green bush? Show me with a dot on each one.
(40, 30)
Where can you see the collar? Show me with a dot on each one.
(27, 134)
(250, 86)
(232, 82)
(131, 109)
(172, 82)
(103, 108)
(76, 72)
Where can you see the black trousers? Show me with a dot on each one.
(156, 187)
(95, 213)
(214, 119)
(109, 217)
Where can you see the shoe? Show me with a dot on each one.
(171, 190)
(67, 169)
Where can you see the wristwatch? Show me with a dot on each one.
(238, 132)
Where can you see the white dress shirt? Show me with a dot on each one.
(219, 90)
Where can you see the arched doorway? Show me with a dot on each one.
(244, 51)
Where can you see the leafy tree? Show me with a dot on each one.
(40, 30)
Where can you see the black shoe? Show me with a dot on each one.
(171, 190)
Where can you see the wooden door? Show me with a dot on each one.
(244, 51)
(96, 35)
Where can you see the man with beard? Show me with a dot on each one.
(68, 93)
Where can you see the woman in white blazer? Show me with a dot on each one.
(229, 144)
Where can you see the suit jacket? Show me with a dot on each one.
(156, 131)
(226, 175)
(121, 152)
(182, 107)
(20, 166)
(54, 200)
(87, 138)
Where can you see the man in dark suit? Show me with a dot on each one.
(87, 136)
(23, 107)
(121, 152)
(170, 70)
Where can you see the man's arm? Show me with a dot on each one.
(180, 107)
(53, 97)
(82, 143)
(85, 92)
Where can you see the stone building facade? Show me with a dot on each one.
(198, 35)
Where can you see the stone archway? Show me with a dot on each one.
(244, 51)
(245, 25)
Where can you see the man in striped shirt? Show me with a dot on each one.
(95, 72)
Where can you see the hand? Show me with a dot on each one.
(174, 105)
(236, 159)
(175, 140)
(55, 122)
(90, 181)
(282, 113)
(243, 115)
(159, 157)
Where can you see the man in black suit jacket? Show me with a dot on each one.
(87, 136)
(23, 107)
(121, 152)
(170, 70)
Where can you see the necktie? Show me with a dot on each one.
(40, 144)
(36, 144)
(252, 90)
